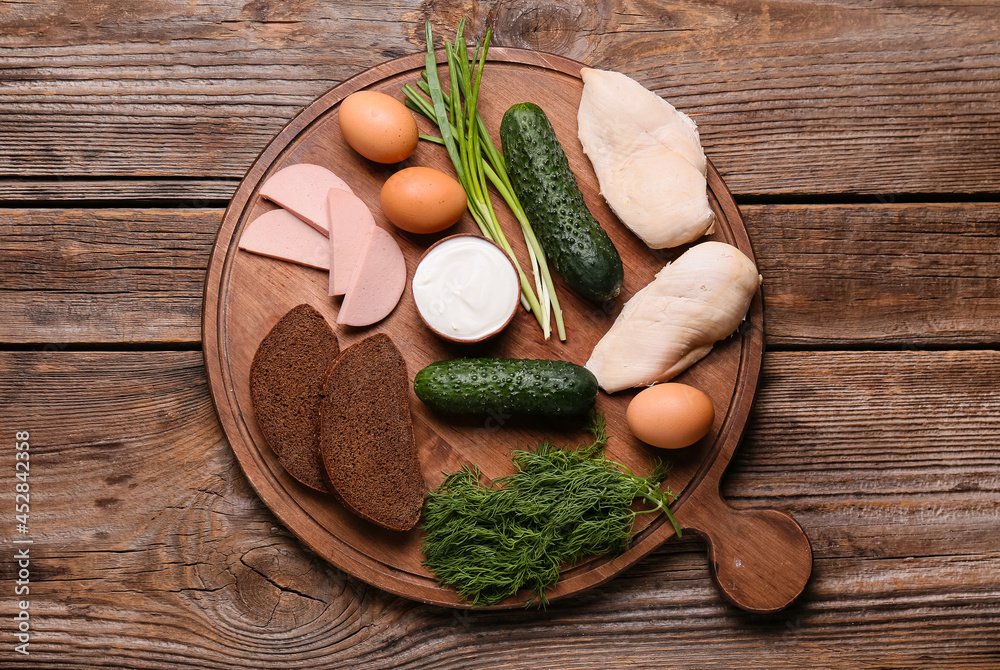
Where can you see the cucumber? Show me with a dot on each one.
(569, 234)
(507, 386)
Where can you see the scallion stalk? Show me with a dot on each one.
(478, 164)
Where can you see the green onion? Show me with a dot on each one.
(478, 164)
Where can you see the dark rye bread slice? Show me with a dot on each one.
(285, 380)
(366, 435)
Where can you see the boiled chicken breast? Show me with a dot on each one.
(674, 321)
(647, 157)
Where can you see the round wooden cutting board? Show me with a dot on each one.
(759, 558)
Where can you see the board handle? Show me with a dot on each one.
(759, 558)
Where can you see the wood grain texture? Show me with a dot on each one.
(912, 275)
(115, 275)
(151, 551)
(840, 97)
(902, 274)
(96, 192)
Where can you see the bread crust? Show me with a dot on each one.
(286, 377)
(366, 435)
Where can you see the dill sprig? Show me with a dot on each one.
(560, 507)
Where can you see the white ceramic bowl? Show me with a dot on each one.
(466, 288)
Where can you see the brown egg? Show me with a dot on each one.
(378, 126)
(670, 416)
(422, 200)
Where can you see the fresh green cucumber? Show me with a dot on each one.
(507, 386)
(571, 237)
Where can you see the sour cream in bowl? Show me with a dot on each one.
(465, 288)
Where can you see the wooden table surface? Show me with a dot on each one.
(862, 142)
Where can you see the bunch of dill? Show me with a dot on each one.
(559, 507)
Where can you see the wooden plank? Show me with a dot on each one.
(886, 274)
(844, 96)
(150, 550)
(121, 275)
(186, 192)
(898, 274)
